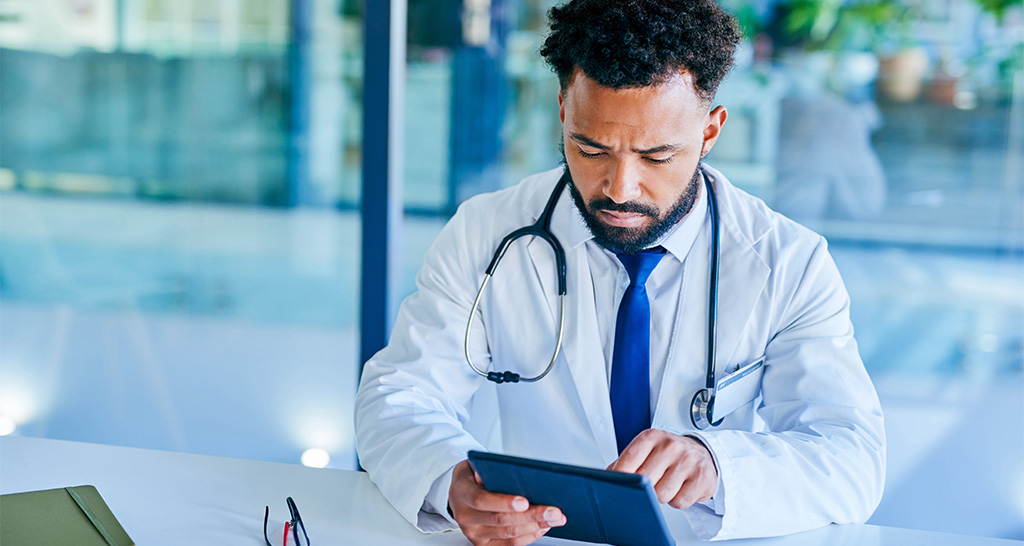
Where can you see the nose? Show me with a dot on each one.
(623, 182)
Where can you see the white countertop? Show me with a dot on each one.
(178, 498)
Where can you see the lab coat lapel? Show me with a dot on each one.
(742, 278)
(581, 347)
(585, 357)
(742, 275)
(543, 259)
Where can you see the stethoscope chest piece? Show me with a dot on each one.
(700, 410)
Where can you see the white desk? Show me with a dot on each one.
(177, 498)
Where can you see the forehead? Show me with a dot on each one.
(671, 106)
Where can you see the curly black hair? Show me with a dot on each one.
(636, 43)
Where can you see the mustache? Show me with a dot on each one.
(605, 203)
(633, 207)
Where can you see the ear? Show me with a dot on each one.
(561, 107)
(716, 119)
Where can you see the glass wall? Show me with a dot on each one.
(175, 269)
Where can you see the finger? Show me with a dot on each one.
(548, 515)
(707, 485)
(523, 541)
(513, 531)
(519, 541)
(516, 533)
(670, 483)
(533, 537)
(686, 496)
(634, 455)
(700, 484)
(485, 501)
(657, 463)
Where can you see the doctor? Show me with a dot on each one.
(802, 444)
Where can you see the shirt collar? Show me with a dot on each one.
(677, 241)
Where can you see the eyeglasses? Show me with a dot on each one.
(293, 525)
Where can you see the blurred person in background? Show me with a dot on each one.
(826, 165)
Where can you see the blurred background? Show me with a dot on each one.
(180, 196)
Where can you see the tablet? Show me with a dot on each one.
(599, 505)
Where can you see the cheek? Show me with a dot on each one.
(587, 176)
(667, 185)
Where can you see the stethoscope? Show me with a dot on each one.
(703, 404)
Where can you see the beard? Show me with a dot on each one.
(622, 240)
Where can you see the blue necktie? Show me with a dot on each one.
(631, 357)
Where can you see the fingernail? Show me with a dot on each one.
(519, 504)
(553, 516)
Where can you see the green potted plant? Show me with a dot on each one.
(998, 8)
(1008, 58)
(843, 41)
(852, 42)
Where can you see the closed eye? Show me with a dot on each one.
(657, 161)
(585, 154)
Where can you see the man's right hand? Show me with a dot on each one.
(493, 519)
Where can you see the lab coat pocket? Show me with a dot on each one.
(738, 388)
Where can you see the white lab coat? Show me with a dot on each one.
(810, 450)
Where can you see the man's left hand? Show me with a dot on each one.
(680, 467)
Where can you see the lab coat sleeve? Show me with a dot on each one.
(437, 497)
(822, 459)
(414, 395)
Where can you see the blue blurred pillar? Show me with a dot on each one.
(300, 188)
(479, 99)
(383, 97)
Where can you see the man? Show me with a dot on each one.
(805, 449)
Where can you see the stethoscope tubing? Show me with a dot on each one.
(702, 405)
(542, 229)
(512, 377)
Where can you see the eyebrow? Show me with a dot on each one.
(655, 150)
